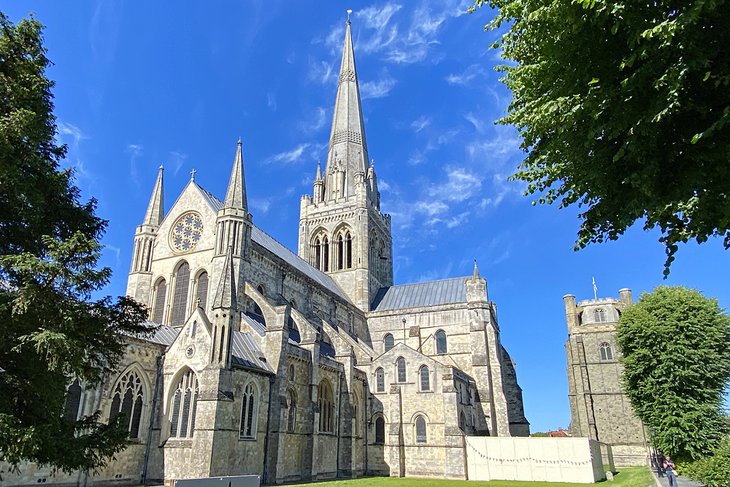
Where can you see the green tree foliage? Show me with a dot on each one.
(624, 108)
(51, 330)
(676, 366)
(712, 471)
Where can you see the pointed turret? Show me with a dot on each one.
(234, 221)
(225, 295)
(236, 194)
(476, 271)
(140, 278)
(155, 209)
(226, 317)
(347, 155)
(318, 185)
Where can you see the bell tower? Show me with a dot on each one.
(341, 229)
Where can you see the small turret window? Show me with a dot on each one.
(400, 365)
(599, 315)
(606, 352)
(441, 342)
(380, 380)
(388, 342)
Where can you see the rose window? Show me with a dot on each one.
(186, 232)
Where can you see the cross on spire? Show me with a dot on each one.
(192, 174)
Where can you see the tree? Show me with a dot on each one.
(51, 330)
(624, 108)
(676, 366)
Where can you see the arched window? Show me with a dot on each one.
(599, 315)
(326, 408)
(184, 403)
(606, 352)
(317, 253)
(462, 421)
(420, 429)
(348, 251)
(425, 378)
(249, 411)
(379, 430)
(400, 365)
(340, 252)
(291, 419)
(180, 295)
(325, 255)
(201, 292)
(73, 401)
(127, 400)
(380, 380)
(441, 342)
(158, 313)
(388, 341)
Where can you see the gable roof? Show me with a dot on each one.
(430, 293)
(244, 350)
(272, 245)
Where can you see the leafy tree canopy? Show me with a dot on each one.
(676, 366)
(51, 330)
(624, 108)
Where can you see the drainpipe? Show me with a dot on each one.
(148, 446)
(265, 476)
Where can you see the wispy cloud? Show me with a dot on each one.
(261, 204)
(420, 123)
(315, 121)
(377, 89)
(321, 72)
(465, 76)
(68, 131)
(402, 39)
(292, 156)
(134, 151)
(478, 124)
(271, 100)
(461, 184)
(176, 161)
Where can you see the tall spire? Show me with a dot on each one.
(347, 145)
(236, 194)
(155, 210)
(225, 296)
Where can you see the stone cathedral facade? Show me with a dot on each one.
(298, 367)
(599, 408)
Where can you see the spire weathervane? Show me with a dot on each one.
(349, 12)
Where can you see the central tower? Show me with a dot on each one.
(341, 229)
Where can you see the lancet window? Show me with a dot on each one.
(158, 311)
(249, 410)
(326, 407)
(180, 296)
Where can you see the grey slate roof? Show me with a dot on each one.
(272, 245)
(245, 351)
(431, 293)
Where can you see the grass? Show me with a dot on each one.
(627, 477)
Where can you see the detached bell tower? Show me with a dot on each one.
(341, 229)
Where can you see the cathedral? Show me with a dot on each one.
(297, 366)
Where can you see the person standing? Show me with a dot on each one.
(670, 471)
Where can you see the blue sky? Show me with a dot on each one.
(141, 84)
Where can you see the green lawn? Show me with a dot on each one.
(627, 477)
